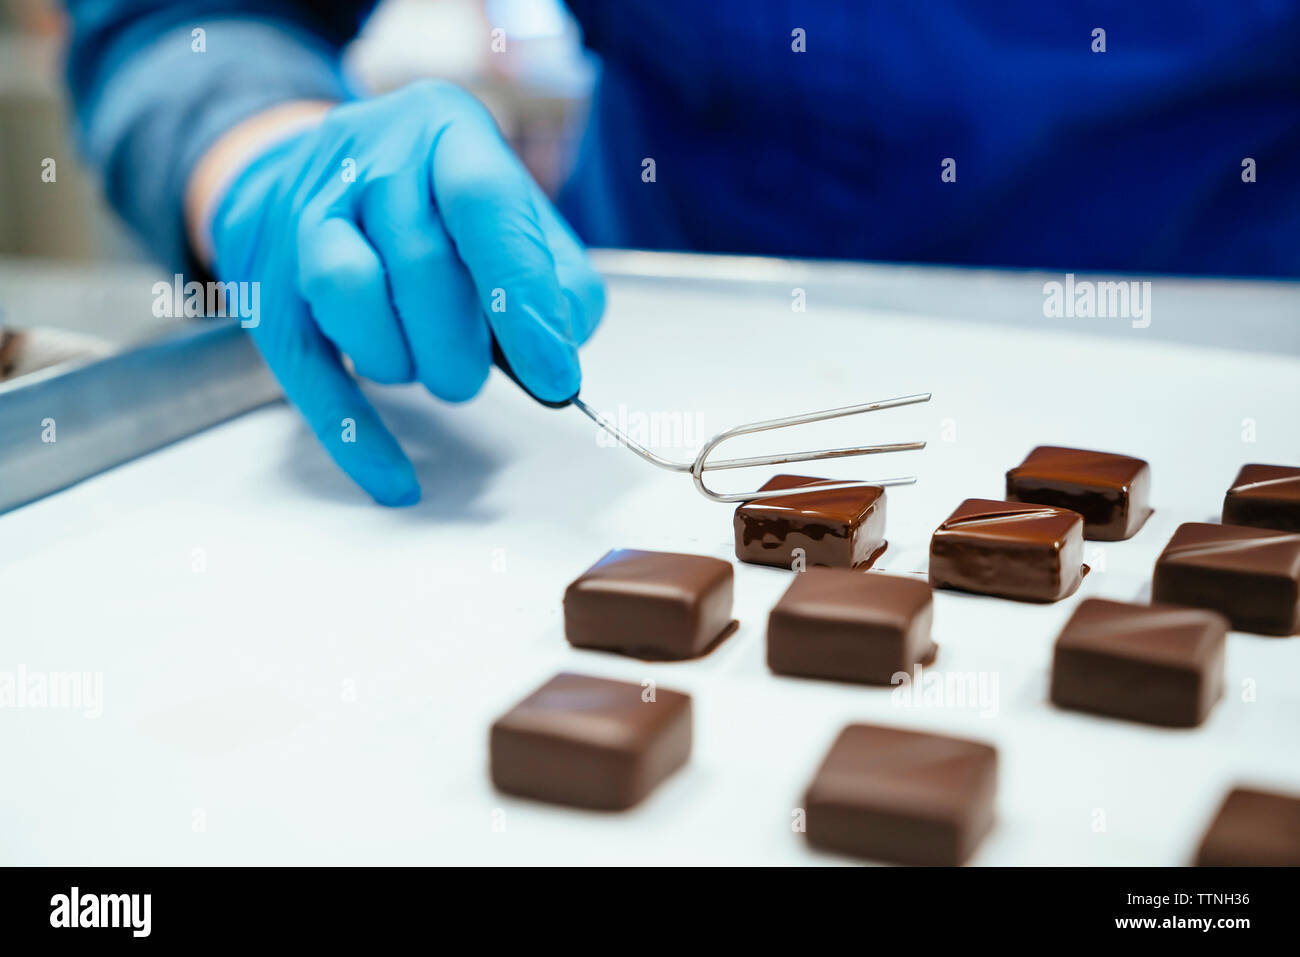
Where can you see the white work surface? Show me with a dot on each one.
(294, 675)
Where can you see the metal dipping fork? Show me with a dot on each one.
(700, 464)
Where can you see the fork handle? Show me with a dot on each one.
(502, 363)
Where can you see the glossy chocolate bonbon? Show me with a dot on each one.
(590, 742)
(1253, 829)
(1265, 496)
(902, 796)
(1159, 664)
(1009, 549)
(651, 605)
(843, 528)
(847, 625)
(1249, 575)
(1111, 492)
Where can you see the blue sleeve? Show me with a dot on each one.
(149, 98)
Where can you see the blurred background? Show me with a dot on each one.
(537, 89)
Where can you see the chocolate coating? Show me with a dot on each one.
(1009, 549)
(590, 742)
(1253, 829)
(1157, 664)
(651, 605)
(1110, 491)
(902, 796)
(848, 625)
(1251, 575)
(844, 528)
(1265, 496)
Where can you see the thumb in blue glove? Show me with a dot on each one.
(402, 232)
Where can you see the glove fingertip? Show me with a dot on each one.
(408, 498)
(391, 482)
(376, 462)
(393, 490)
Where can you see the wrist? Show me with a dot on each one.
(232, 153)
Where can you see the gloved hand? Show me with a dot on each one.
(397, 231)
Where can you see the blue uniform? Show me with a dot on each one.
(1061, 157)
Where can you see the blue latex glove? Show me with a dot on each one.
(398, 231)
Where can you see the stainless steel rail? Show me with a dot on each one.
(107, 412)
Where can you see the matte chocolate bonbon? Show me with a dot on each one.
(843, 528)
(848, 625)
(1253, 829)
(1111, 492)
(902, 796)
(651, 605)
(1009, 549)
(590, 742)
(1265, 496)
(1160, 664)
(1250, 575)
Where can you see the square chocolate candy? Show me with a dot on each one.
(1266, 496)
(590, 742)
(1110, 491)
(1009, 549)
(849, 625)
(1251, 575)
(1160, 664)
(651, 605)
(843, 528)
(902, 796)
(1253, 829)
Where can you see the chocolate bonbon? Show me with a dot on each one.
(1266, 496)
(590, 742)
(652, 605)
(1253, 829)
(849, 625)
(1009, 549)
(842, 528)
(902, 796)
(1160, 664)
(1250, 575)
(1110, 491)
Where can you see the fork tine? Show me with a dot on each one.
(810, 456)
(758, 494)
(806, 417)
(701, 463)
